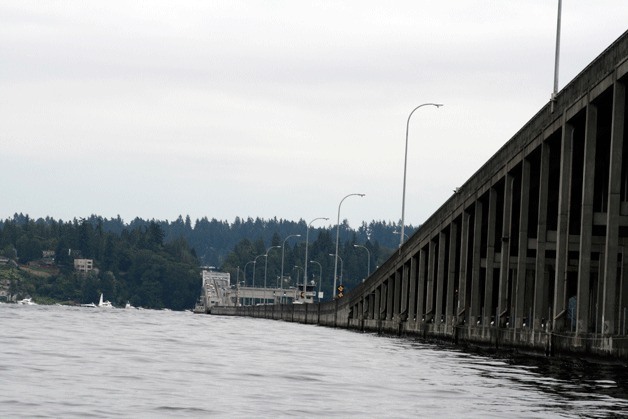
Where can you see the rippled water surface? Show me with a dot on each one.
(78, 362)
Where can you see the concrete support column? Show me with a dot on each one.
(440, 277)
(491, 226)
(613, 213)
(504, 263)
(420, 292)
(429, 293)
(383, 294)
(404, 289)
(390, 297)
(562, 233)
(451, 276)
(475, 310)
(377, 302)
(396, 294)
(412, 300)
(540, 305)
(586, 221)
(522, 259)
(462, 279)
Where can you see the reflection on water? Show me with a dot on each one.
(64, 362)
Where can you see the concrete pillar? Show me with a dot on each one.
(540, 306)
(504, 263)
(420, 294)
(491, 225)
(451, 276)
(522, 258)
(390, 297)
(404, 289)
(429, 293)
(562, 233)
(396, 294)
(612, 216)
(586, 221)
(413, 289)
(462, 278)
(440, 277)
(475, 311)
(383, 306)
(377, 303)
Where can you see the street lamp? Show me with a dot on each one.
(254, 269)
(368, 263)
(320, 279)
(247, 264)
(307, 240)
(297, 283)
(337, 237)
(282, 255)
(342, 267)
(405, 165)
(404, 234)
(266, 269)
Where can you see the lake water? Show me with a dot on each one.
(79, 362)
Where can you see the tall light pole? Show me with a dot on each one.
(307, 240)
(282, 255)
(405, 167)
(266, 269)
(368, 263)
(556, 56)
(320, 279)
(337, 237)
(247, 264)
(342, 267)
(254, 269)
(297, 268)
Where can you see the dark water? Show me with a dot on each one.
(79, 362)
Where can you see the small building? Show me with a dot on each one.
(84, 265)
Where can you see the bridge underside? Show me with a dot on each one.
(532, 251)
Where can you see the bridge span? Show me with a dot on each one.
(531, 252)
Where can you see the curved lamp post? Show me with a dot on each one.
(405, 166)
(297, 284)
(254, 269)
(320, 279)
(368, 263)
(337, 237)
(266, 268)
(342, 267)
(282, 256)
(307, 240)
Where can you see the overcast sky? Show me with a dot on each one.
(271, 108)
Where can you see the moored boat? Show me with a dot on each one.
(104, 304)
(27, 302)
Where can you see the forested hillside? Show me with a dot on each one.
(156, 263)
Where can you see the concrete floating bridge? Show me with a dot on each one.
(531, 252)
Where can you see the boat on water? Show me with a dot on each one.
(27, 302)
(89, 305)
(128, 305)
(104, 304)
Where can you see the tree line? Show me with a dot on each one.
(155, 263)
(135, 265)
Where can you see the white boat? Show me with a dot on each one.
(89, 305)
(104, 304)
(27, 302)
(128, 305)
